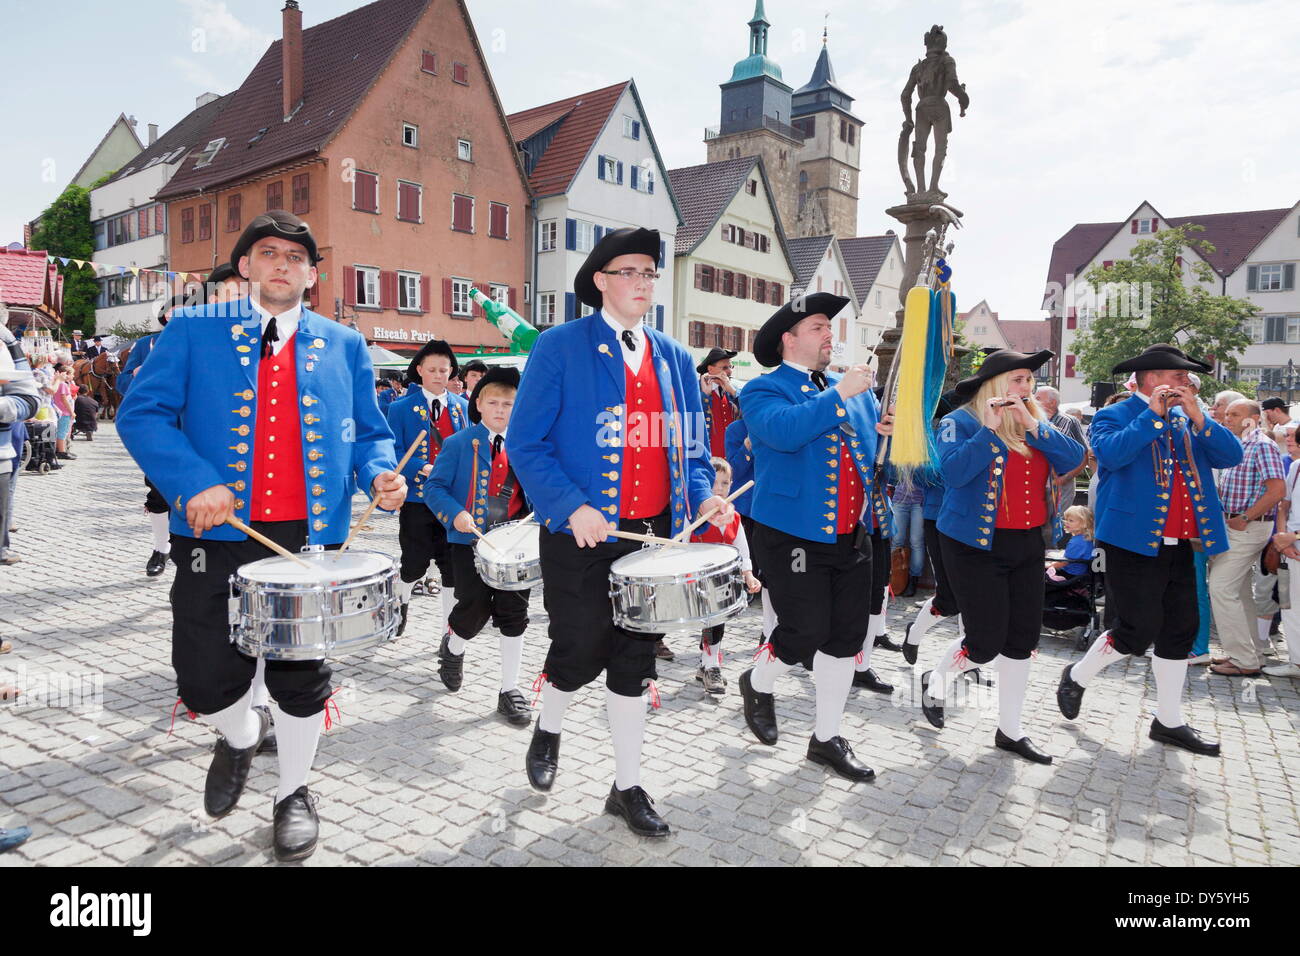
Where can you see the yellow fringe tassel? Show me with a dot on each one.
(909, 448)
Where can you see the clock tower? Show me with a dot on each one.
(828, 161)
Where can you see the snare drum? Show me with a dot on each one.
(662, 589)
(342, 604)
(514, 561)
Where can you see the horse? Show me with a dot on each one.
(99, 375)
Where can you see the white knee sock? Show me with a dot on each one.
(1101, 654)
(158, 525)
(1170, 678)
(554, 703)
(863, 659)
(925, 617)
(953, 662)
(834, 677)
(769, 616)
(709, 655)
(1013, 679)
(296, 738)
(627, 727)
(512, 652)
(237, 723)
(455, 643)
(448, 602)
(1265, 624)
(260, 695)
(766, 670)
(875, 626)
(404, 591)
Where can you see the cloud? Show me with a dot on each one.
(218, 31)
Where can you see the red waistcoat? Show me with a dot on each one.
(721, 414)
(713, 535)
(646, 487)
(848, 507)
(1024, 491)
(279, 483)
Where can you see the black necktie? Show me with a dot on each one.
(819, 379)
(435, 410)
(629, 340)
(269, 337)
(496, 447)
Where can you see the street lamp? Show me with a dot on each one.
(1290, 380)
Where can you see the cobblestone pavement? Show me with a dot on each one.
(415, 774)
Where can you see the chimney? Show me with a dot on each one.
(203, 99)
(291, 58)
(153, 133)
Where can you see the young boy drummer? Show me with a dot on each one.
(474, 487)
(429, 406)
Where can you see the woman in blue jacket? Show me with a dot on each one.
(1000, 457)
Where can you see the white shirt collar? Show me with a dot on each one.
(286, 323)
(494, 435)
(638, 330)
(632, 357)
(799, 368)
(430, 396)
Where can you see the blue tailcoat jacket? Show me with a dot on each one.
(741, 460)
(139, 352)
(1131, 442)
(565, 438)
(796, 432)
(191, 413)
(972, 457)
(407, 417)
(447, 493)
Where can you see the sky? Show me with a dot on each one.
(1079, 112)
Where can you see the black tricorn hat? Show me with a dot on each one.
(1159, 357)
(715, 355)
(431, 347)
(473, 365)
(501, 375)
(221, 273)
(767, 344)
(1003, 360)
(620, 242)
(280, 224)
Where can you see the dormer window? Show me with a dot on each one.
(210, 152)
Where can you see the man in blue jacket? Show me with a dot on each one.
(263, 410)
(814, 442)
(607, 434)
(1156, 503)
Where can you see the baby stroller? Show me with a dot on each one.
(41, 447)
(1074, 602)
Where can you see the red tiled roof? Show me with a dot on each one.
(583, 117)
(1233, 234)
(342, 58)
(23, 277)
(190, 133)
(1027, 335)
(704, 192)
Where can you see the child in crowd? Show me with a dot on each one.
(1078, 550)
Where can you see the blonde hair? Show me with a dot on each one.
(1084, 515)
(721, 466)
(1009, 430)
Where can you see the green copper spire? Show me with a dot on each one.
(759, 15)
(757, 63)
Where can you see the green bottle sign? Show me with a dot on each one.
(509, 323)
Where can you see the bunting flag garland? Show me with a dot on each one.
(101, 269)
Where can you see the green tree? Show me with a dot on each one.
(65, 231)
(1144, 300)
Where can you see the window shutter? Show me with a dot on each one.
(1252, 278)
(635, 170)
(1288, 276)
(388, 290)
(1069, 366)
(1133, 227)
(597, 233)
(570, 235)
(600, 167)
(663, 251)
(636, 130)
(425, 292)
(737, 338)
(695, 334)
(1072, 318)
(477, 310)
(447, 305)
(1155, 225)
(659, 317)
(1108, 263)
(349, 285)
(570, 306)
(699, 276)
(619, 169)
(753, 334)
(512, 299)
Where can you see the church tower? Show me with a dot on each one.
(756, 120)
(828, 164)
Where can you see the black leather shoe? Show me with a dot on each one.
(543, 758)
(760, 710)
(1069, 694)
(401, 625)
(296, 826)
(1024, 747)
(635, 806)
(1184, 737)
(228, 771)
(514, 708)
(269, 744)
(933, 711)
(451, 667)
(911, 586)
(156, 564)
(871, 681)
(838, 755)
(909, 650)
(882, 640)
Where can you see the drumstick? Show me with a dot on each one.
(686, 532)
(523, 534)
(257, 536)
(375, 500)
(484, 538)
(647, 538)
